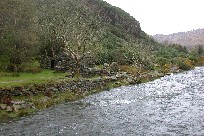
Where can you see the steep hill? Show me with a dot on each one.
(190, 39)
(93, 29)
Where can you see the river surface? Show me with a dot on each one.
(170, 106)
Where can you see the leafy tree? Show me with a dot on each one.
(71, 32)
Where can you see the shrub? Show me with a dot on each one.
(166, 68)
(185, 64)
(33, 67)
(200, 61)
(193, 57)
(162, 61)
(128, 69)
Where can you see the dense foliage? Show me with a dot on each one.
(31, 29)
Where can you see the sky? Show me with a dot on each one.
(164, 16)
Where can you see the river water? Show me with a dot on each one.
(172, 105)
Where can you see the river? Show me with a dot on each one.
(172, 105)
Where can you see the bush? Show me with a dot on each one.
(200, 61)
(185, 64)
(30, 67)
(103, 57)
(128, 69)
(162, 61)
(4, 62)
(193, 57)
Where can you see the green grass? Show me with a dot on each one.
(21, 79)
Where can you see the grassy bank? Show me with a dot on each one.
(43, 101)
(48, 98)
(21, 79)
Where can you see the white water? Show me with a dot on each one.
(172, 105)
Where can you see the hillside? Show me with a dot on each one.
(190, 39)
(85, 32)
(54, 51)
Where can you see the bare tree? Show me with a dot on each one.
(72, 31)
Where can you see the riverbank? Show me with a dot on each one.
(17, 101)
(173, 103)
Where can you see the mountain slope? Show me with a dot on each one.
(190, 39)
(46, 28)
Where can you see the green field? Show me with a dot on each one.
(19, 79)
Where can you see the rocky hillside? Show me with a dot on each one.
(90, 31)
(115, 16)
(190, 39)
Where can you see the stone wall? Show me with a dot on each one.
(80, 86)
(59, 62)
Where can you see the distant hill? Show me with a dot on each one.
(190, 39)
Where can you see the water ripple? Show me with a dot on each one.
(172, 105)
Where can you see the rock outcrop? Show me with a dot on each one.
(115, 16)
